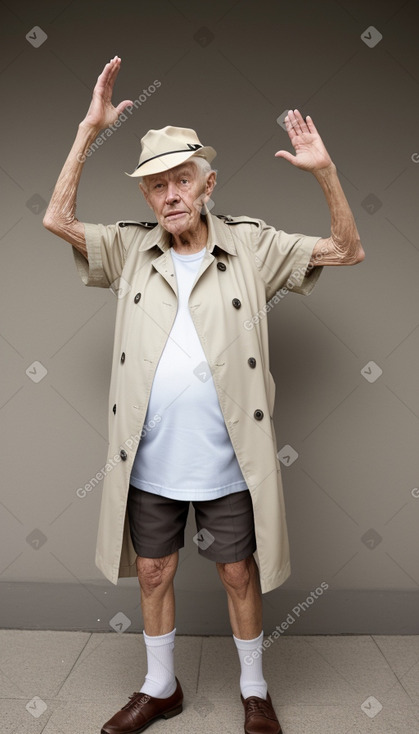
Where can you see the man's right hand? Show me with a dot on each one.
(101, 112)
(60, 216)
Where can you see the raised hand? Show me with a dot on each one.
(101, 112)
(310, 152)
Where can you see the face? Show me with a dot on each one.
(176, 196)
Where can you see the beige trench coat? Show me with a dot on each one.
(247, 264)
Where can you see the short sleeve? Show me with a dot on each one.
(107, 248)
(282, 259)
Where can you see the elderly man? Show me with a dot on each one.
(191, 396)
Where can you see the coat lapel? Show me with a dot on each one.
(218, 235)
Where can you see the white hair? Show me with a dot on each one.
(201, 163)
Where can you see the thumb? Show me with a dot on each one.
(288, 156)
(123, 105)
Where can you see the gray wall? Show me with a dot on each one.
(229, 70)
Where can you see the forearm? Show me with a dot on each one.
(60, 215)
(343, 247)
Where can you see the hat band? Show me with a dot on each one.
(192, 147)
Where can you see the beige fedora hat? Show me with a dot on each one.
(169, 147)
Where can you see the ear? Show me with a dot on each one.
(210, 183)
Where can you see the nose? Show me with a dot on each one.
(171, 193)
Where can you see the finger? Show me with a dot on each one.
(290, 130)
(301, 121)
(294, 121)
(109, 68)
(288, 156)
(123, 105)
(103, 77)
(104, 73)
(111, 64)
(109, 81)
(310, 124)
(115, 64)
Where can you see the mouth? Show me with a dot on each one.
(175, 215)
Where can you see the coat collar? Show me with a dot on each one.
(219, 234)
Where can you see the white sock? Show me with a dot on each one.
(160, 679)
(252, 682)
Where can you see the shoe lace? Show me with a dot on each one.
(134, 700)
(256, 705)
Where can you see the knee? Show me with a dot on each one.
(236, 576)
(156, 573)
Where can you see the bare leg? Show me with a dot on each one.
(157, 593)
(242, 583)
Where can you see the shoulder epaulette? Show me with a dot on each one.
(147, 225)
(237, 220)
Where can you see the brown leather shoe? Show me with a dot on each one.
(141, 710)
(260, 717)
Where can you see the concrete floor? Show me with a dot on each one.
(72, 682)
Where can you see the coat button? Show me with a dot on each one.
(123, 455)
(258, 414)
(137, 297)
(236, 303)
(221, 266)
(252, 362)
(122, 357)
(114, 409)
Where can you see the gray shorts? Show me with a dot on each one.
(225, 526)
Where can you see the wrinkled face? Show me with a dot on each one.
(176, 196)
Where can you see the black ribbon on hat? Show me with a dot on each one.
(191, 146)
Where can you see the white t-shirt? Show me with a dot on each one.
(188, 455)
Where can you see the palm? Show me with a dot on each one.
(310, 152)
(102, 112)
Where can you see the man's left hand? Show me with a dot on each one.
(310, 152)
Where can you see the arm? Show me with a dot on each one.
(60, 215)
(343, 247)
